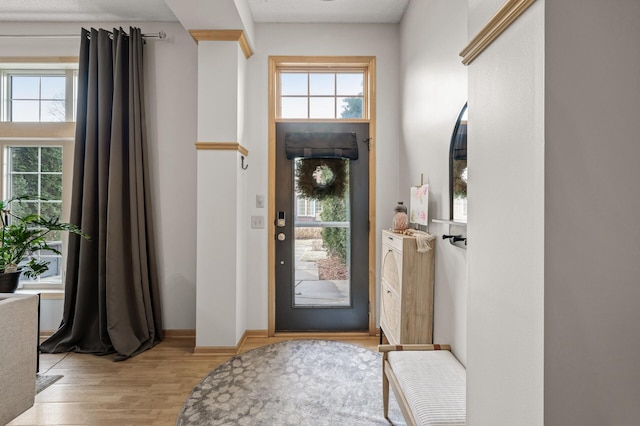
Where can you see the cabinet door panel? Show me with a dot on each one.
(392, 268)
(391, 309)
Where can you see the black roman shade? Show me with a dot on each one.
(321, 145)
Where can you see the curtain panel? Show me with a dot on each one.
(112, 300)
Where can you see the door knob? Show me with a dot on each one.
(281, 236)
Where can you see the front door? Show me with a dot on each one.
(322, 246)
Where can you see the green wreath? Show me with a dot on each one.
(320, 178)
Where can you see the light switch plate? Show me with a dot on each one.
(260, 201)
(257, 222)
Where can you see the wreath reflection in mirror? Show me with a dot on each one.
(320, 178)
(460, 178)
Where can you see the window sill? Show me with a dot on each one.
(45, 294)
(65, 129)
(449, 222)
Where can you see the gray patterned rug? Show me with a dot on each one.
(299, 382)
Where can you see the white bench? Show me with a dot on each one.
(428, 381)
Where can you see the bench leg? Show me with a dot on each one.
(385, 392)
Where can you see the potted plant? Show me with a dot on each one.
(21, 238)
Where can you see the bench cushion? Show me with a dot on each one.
(434, 384)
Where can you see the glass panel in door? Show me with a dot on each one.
(322, 249)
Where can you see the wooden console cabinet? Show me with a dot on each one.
(406, 290)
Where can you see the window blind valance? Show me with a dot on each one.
(321, 145)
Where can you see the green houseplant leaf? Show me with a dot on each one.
(21, 238)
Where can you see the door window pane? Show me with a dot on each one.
(350, 84)
(322, 250)
(350, 107)
(294, 108)
(293, 84)
(322, 84)
(322, 107)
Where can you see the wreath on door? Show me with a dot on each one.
(320, 178)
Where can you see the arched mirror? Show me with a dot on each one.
(458, 169)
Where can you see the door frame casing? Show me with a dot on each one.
(303, 62)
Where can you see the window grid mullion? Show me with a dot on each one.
(40, 99)
(335, 95)
(308, 95)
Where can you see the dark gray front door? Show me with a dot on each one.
(322, 247)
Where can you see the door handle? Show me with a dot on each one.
(281, 236)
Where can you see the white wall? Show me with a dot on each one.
(381, 41)
(592, 239)
(172, 111)
(506, 224)
(434, 89)
(171, 122)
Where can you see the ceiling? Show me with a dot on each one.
(338, 11)
(303, 11)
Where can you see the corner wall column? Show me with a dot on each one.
(221, 188)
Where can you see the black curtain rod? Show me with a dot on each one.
(159, 35)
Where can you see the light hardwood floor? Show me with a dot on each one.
(149, 389)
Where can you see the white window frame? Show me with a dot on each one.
(41, 134)
(67, 178)
(70, 88)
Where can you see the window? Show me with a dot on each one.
(322, 94)
(41, 169)
(37, 157)
(307, 207)
(38, 95)
(37, 171)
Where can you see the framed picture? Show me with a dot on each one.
(419, 205)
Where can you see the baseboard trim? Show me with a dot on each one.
(45, 334)
(234, 350)
(229, 350)
(214, 350)
(186, 333)
(256, 333)
(177, 333)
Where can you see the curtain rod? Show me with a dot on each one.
(159, 35)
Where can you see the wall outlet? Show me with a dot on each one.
(257, 222)
(260, 201)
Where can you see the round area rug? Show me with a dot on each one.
(298, 382)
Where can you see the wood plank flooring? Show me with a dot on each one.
(149, 389)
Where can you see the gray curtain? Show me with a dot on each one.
(112, 301)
